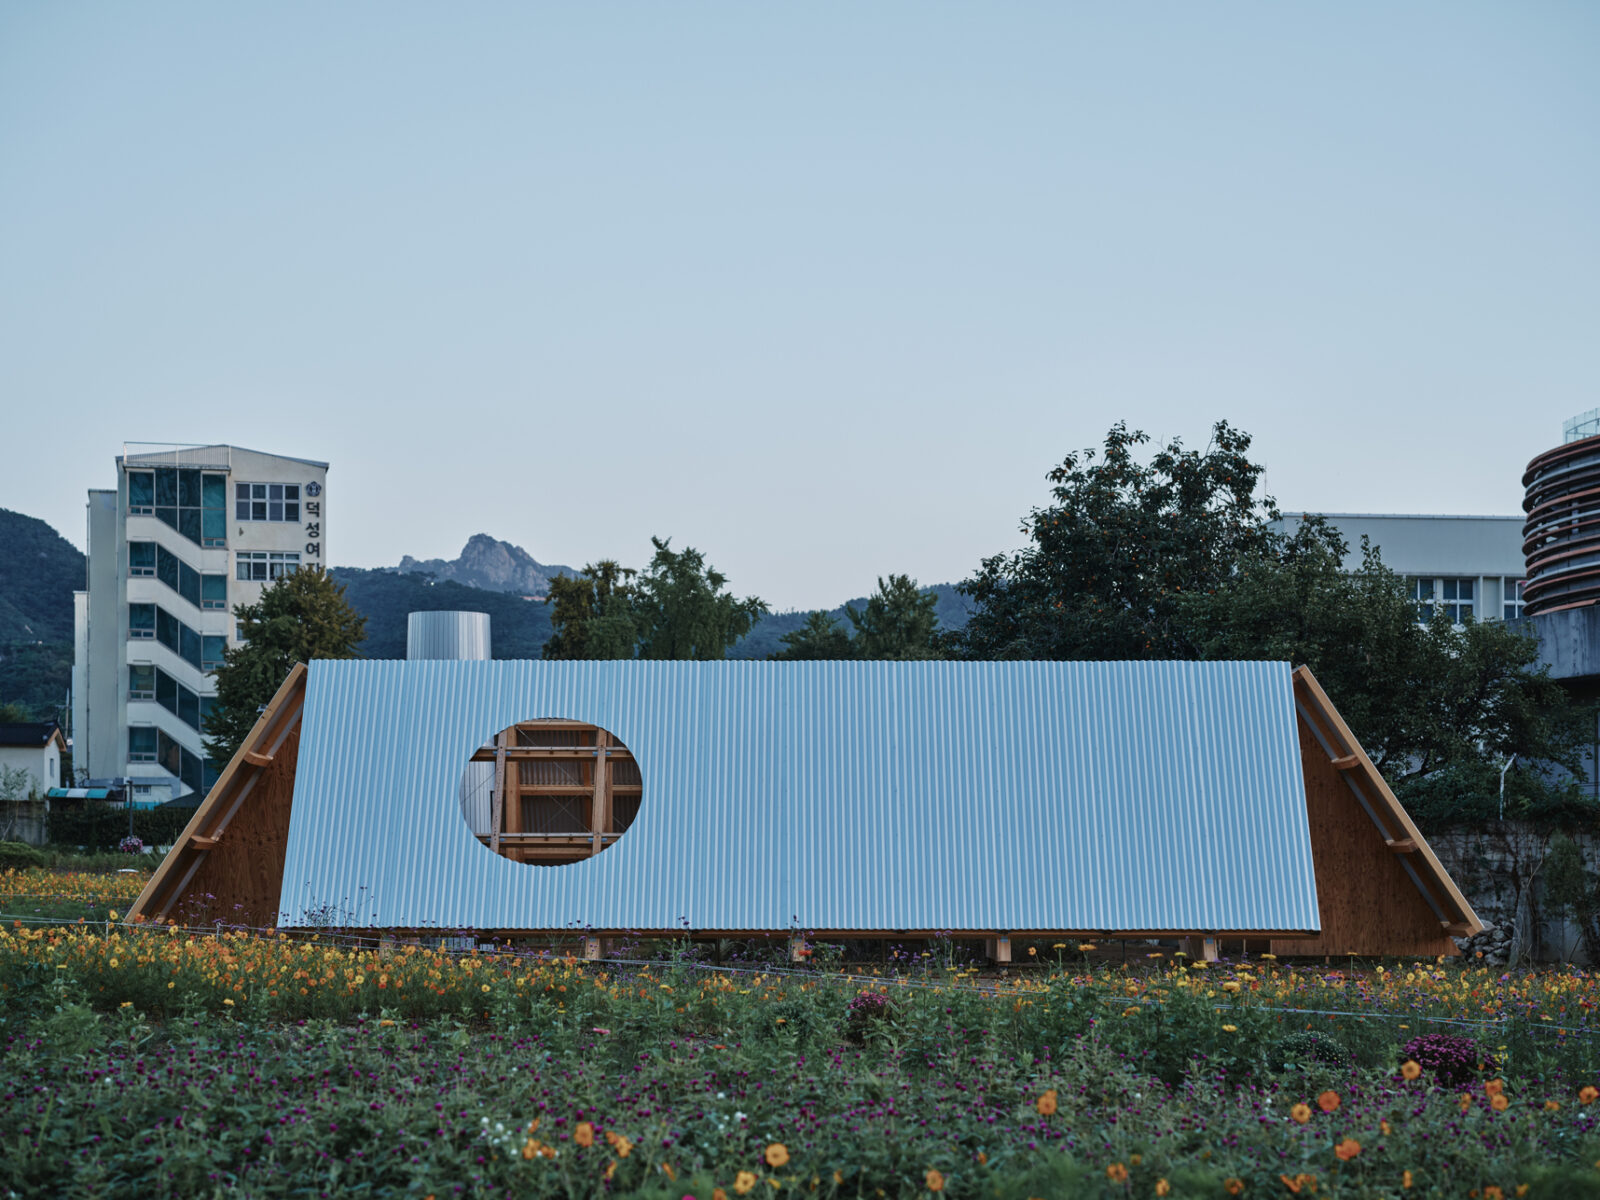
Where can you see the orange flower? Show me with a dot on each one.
(718, 1194)
(934, 1180)
(1234, 1186)
(744, 1181)
(1494, 1087)
(1499, 1102)
(1383, 1128)
(1405, 1179)
(584, 1134)
(1588, 1095)
(1410, 1069)
(1347, 1149)
(1289, 1183)
(1466, 1100)
(1328, 1101)
(1493, 1192)
(1047, 1104)
(1162, 1187)
(777, 1154)
(1117, 1173)
(1552, 1106)
(1301, 1113)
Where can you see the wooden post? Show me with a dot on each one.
(798, 948)
(1000, 948)
(593, 949)
(597, 810)
(497, 806)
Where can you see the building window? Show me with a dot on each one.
(1453, 596)
(267, 502)
(1512, 591)
(142, 620)
(141, 558)
(190, 501)
(262, 565)
(211, 647)
(141, 682)
(142, 743)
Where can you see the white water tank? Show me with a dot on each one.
(458, 635)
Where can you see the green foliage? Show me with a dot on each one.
(100, 826)
(683, 611)
(1113, 557)
(519, 627)
(34, 677)
(301, 617)
(19, 855)
(39, 571)
(592, 613)
(898, 621)
(1306, 1048)
(820, 638)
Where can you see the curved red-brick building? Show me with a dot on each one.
(1561, 538)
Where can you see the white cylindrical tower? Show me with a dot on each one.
(458, 635)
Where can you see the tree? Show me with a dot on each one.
(821, 637)
(593, 613)
(301, 617)
(1112, 558)
(683, 610)
(898, 621)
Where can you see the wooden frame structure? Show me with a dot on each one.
(1380, 887)
(228, 863)
(562, 791)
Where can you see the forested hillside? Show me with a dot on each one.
(39, 571)
(517, 627)
(766, 639)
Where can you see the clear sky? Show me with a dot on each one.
(823, 289)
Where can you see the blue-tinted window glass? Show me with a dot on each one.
(189, 524)
(213, 591)
(141, 681)
(167, 629)
(188, 707)
(167, 567)
(214, 492)
(167, 486)
(214, 526)
(189, 584)
(167, 516)
(141, 489)
(166, 691)
(142, 558)
(142, 743)
(189, 489)
(190, 648)
(142, 619)
(211, 652)
(206, 705)
(209, 773)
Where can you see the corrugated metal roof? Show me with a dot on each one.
(841, 796)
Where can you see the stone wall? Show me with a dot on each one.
(1488, 864)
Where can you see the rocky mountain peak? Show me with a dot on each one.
(488, 563)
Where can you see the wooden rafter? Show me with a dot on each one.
(589, 783)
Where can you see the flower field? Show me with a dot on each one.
(67, 895)
(143, 1061)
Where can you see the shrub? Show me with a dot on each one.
(1454, 1060)
(865, 1013)
(1300, 1050)
(101, 826)
(19, 855)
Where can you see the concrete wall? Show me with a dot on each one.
(104, 689)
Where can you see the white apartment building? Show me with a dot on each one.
(1469, 566)
(188, 533)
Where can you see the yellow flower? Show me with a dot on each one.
(584, 1134)
(227, 1003)
(1046, 1103)
(743, 1182)
(1301, 1113)
(1230, 986)
(1117, 1173)
(934, 1180)
(1033, 950)
(113, 914)
(1162, 1187)
(1410, 1069)
(113, 962)
(486, 987)
(1085, 946)
(1230, 1029)
(777, 1154)
(126, 1004)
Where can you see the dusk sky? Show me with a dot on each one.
(823, 290)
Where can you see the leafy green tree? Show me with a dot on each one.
(683, 610)
(898, 621)
(1112, 558)
(12, 713)
(1439, 707)
(301, 617)
(821, 637)
(593, 613)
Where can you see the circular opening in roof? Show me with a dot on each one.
(550, 791)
